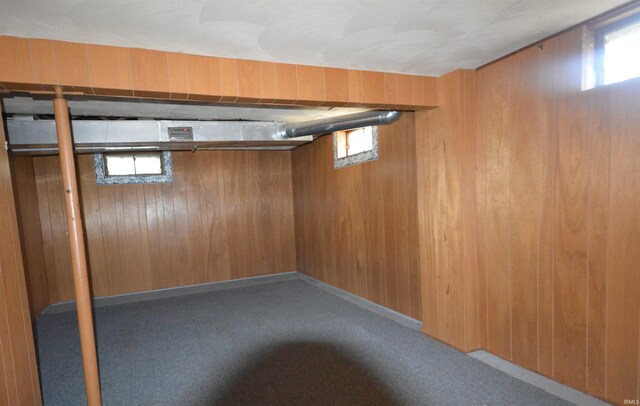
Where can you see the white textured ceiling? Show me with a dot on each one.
(429, 37)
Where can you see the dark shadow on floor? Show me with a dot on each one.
(303, 373)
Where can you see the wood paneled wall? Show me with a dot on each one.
(18, 372)
(356, 226)
(558, 195)
(26, 195)
(447, 213)
(227, 215)
(38, 64)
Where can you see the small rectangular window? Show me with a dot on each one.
(135, 167)
(355, 146)
(618, 51)
(133, 164)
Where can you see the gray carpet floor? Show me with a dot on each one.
(283, 343)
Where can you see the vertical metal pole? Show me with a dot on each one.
(78, 255)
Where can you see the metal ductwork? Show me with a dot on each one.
(328, 125)
(30, 136)
(39, 136)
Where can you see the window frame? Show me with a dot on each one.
(134, 155)
(359, 158)
(599, 33)
(103, 178)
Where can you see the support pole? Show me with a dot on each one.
(78, 255)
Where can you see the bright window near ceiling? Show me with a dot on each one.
(133, 164)
(133, 167)
(618, 51)
(355, 146)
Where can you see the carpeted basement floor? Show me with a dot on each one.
(282, 343)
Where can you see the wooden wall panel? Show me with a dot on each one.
(16, 54)
(109, 68)
(30, 227)
(72, 65)
(43, 61)
(623, 272)
(561, 291)
(37, 65)
(311, 84)
(355, 226)
(269, 84)
(177, 70)
(204, 78)
(446, 213)
(149, 73)
(249, 80)
(227, 215)
(18, 372)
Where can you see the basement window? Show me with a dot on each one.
(133, 167)
(617, 49)
(355, 146)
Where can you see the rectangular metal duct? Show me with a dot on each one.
(39, 136)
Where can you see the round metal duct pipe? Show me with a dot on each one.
(346, 122)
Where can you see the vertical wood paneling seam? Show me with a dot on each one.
(486, 238)
(588, 270)
(3, 284)
(86, 61)
(476, 93)
(510, 239)
(462, 101)
(31, 60)
(50, 217)
(275, 79)
(296, 82)
(17, 260)
(607, 267)
(259, 82)
(324, 86)
(166, 57)
(131, 84)
(539, 226)
(55, 61)
(553, 229)
(2, 357)
(237, 79)
(142, 247)
(10, 349)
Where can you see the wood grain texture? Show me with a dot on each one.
(204, 78)
(286, 82)
(15, 64)
(229, 72)
(311, 85)
(30, 227)
(558, 228)
(177, 70)
(36, 65)
(42, 61)
(447, 213)
(373, 87)
(227, 215)
(18, 372)
(355, 226)
(109, 68)
(72, 65)
(336, 83)
(249, 80)
(268, 76)
(149, 73)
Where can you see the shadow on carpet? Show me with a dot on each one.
(303, 373)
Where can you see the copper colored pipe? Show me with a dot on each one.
(78, 255)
